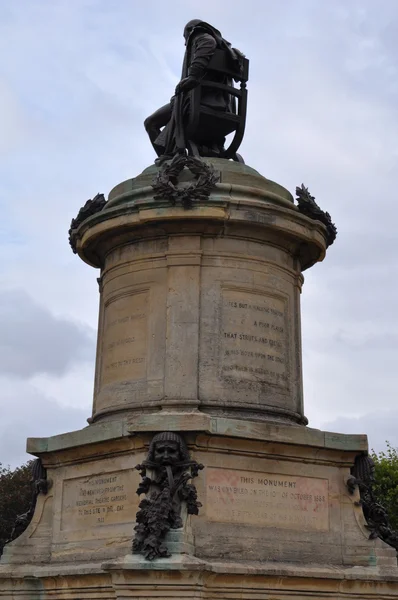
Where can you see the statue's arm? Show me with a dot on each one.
(203, 48)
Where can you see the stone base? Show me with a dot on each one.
(277, 520)
(199, 333)
(188, 578)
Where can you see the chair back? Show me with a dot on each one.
(221, 62)
(207, 124)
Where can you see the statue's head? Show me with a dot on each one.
(189, 27)
(168, 448)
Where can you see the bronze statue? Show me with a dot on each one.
(170, 468)
(206, 106)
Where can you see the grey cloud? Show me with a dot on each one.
(33, 341)
(26, 412)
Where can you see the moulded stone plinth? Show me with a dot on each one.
(200, 307)
(277, 518)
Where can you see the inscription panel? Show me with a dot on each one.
(124, 346)
(267, 499)
(254, 338)
(104, 499)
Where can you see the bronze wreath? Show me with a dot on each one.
(165, 182)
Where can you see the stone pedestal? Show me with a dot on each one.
(199, 333)
(200, 308)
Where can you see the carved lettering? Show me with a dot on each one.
(124, 344)
(254, 342)
(94, 500)
(267, 500)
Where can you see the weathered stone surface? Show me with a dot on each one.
(231, 173)
(200, 308)
(89, 511)
(100, 499)
(225, 530)
(198, 421)
(186, 578)
(267, 499)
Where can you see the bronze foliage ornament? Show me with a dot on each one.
(166, 489)
(165, 182)
(376, 516)
(91, 207)
(308, 207)
(40, 485)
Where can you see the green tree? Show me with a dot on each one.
(386, 481)
(15, 497)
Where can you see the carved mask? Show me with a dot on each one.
(166, 452)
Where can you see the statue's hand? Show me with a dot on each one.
(186, 84)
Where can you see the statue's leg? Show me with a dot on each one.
(193, 149)
(157, 120)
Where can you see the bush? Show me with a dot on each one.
(386, 481)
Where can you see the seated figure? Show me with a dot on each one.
(167, 127)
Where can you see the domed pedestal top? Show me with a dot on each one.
(241, 197)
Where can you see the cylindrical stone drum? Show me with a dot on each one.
(200, 306)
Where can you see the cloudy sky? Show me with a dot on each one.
(77, 79)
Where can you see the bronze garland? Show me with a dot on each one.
(165, 182)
